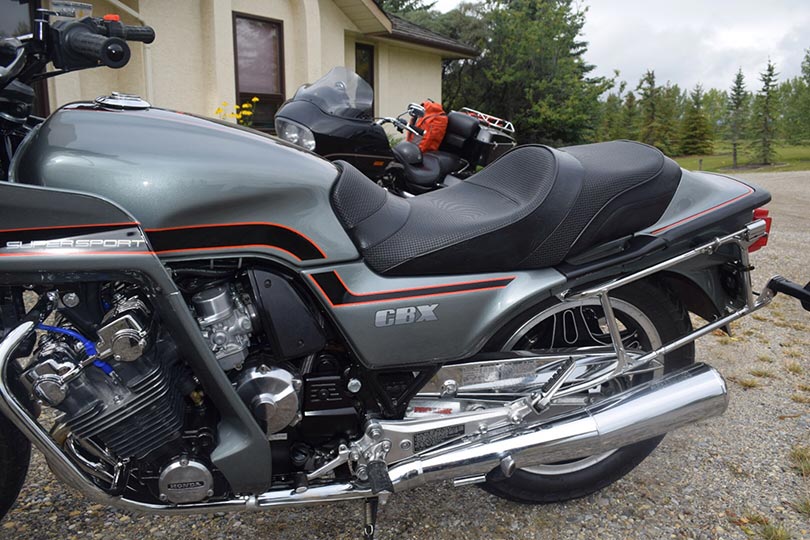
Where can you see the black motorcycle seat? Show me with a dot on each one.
(425, 170)
(447, 162)
(530, 209)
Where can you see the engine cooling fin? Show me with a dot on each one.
(146, 414)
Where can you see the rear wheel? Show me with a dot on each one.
(649, 315)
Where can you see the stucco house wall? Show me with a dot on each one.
(190, 66)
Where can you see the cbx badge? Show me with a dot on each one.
(405, 315)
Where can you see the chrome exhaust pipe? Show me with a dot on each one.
(651, 409)
(648, 410)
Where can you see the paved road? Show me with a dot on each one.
(693, 486)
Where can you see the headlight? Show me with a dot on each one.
(295, 133)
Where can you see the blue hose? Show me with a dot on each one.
(89, 346)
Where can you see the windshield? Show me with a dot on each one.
(340, 93)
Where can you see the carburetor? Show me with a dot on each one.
(226, 322)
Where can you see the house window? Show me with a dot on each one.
(364, 62)
(259, 49)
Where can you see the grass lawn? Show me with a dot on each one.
(788, 158)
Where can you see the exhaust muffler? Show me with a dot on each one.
(651, 409)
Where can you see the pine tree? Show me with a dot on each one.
(765, 117)
(670, 107)
(629, 117)
(610, 126)
(737, 107)
(696, 134)
(648, 108)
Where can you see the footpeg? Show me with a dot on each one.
(549, 389)
(378, 477)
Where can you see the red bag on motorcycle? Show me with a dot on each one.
(434, 125)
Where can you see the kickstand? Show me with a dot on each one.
(370, 510)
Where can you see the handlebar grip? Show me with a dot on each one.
(111, 51)
(144, 34)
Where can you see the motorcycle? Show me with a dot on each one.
(212, 337)
(334, 118)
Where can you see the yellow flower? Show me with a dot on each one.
(231, 115)
(246, 105)
(218, 111)
(247, 113)
(236, 107)
(238, 116)
(224, 103)
(254, 99)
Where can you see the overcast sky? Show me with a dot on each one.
(692, 41)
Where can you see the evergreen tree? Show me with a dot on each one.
(659, 113)
(531, 71)
(696, 134)
(764, 127)
(670, 107)
(714, 106)
(629, 118)
(610, 126)
(793, 98)
(737, 113)
(648, 105)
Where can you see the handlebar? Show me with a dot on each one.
(111, 51)
(92, 41)
(144, 34)
(399, 125)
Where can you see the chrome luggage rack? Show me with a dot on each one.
(491, 121)
(742, 238)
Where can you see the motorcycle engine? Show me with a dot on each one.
(227, 319)
(128, 404)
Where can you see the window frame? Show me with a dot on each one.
(373, 67)
(267, 98)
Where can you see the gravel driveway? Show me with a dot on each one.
(716, 479)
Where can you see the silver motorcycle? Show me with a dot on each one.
(211, 337)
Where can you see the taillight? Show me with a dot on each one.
(761, 213)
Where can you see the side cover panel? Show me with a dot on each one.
(55, 236)
(419, 320)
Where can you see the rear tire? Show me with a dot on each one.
(657, 311)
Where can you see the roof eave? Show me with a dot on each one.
(367, 15)
(445, 51)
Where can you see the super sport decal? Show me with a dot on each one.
(102, 238)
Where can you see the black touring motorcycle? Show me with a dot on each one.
(333, 117)
(211, 337)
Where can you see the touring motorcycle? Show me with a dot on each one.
(183, 335)
(334, 118)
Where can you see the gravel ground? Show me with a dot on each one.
(703, 482)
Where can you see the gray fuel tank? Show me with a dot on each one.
(197, 186)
